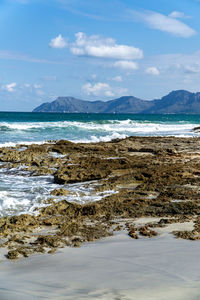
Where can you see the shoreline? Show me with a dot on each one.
(115, 267)
(140, 242)
(134, 177)
(44, 142)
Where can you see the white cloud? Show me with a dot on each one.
(126, 65)
(152, 71)
(98, 89)
(59, 42)
(102, 89)
(176, 62)
(192, 68)
(96, 46)
(9, 87)
(175, 67)
(178, 15)
(165, 23)
(117, 78)
(31, 86)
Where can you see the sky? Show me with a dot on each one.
(96, 49)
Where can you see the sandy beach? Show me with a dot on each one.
(113, 268)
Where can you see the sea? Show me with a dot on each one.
(18, 127)
(22, 193)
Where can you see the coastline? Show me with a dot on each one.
(136, 178)
(113, 268)
(118, 180)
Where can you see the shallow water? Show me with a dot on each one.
(22, 193)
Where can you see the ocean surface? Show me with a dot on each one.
(22, 193)
(40, 127)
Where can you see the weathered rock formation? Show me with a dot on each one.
(150, 177)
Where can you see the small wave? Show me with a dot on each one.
(106, 125)
(4, 128)
(12, 144)
(18, 126)
(93, 131)
(96, 139)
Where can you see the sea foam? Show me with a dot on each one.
(91, 131)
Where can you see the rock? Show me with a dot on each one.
(48, 241)
(133, 234)
(59, 192)
(144, 185)
(144, 231)
(197, 129)
(86, 171)
(52, 251)
(13, 254)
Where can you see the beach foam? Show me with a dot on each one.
(22, 193)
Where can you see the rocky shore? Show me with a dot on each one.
(149, 176)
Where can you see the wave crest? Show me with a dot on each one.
(92, 131)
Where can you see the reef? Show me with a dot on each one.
(149, 176)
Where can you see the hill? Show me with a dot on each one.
(180, 102)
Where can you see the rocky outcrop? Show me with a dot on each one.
(150, 177)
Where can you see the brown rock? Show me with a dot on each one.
(59, 192)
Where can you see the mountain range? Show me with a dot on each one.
(176, 102)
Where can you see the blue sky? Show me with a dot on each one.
(96, 49)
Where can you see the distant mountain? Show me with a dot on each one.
(179, 102)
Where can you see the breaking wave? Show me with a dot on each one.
(93, 129)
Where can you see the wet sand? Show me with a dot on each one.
(113, 268)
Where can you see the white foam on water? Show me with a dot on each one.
(57, 155)
(39, 132)
(109, 125)
(106, 138)
(22, 193)
(19, 126)
(12, 144)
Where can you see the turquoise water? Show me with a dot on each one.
(40, 127)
